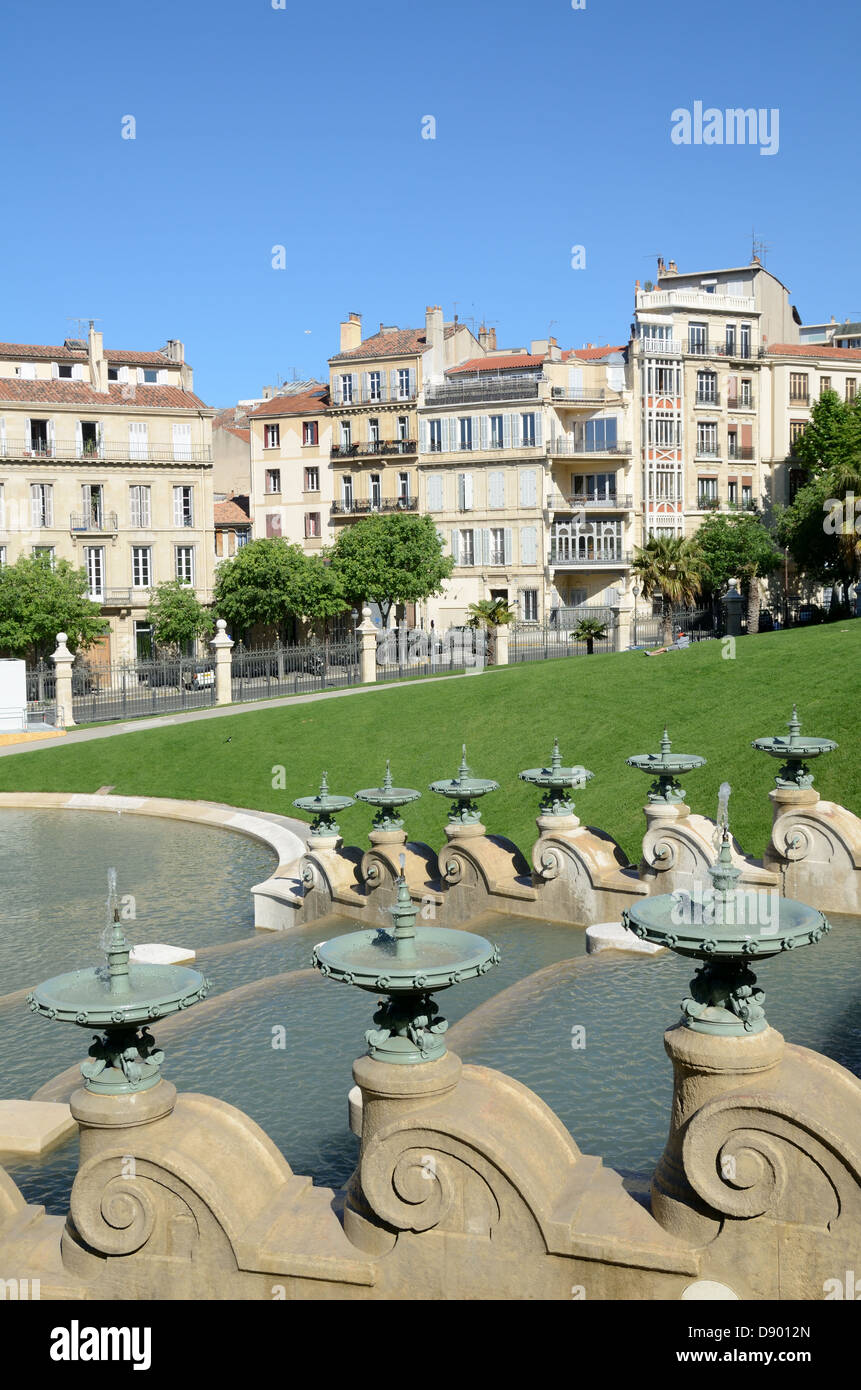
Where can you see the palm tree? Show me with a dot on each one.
(672, 567)
(590, 631)
(489, 613)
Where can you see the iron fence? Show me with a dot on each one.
(556, 638)
(404, 653)
(259, 673)
(127, 690)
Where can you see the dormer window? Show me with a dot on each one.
(64, 371)
(113, 373)
(150, 376)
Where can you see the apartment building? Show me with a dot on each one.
(375, 385)
(699, 351)
(524, 466)
(106, 461)
(798, 374)
(291, 479)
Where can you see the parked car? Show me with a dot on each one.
(199, 680)
(162, 674)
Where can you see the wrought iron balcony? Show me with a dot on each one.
(104, 453)
(94, 523)
(741, 506)
(708, 504)
(481, 389)
(694, 348)
(565, 446)
(567, 557)
(363, 395)
(582, 395)
(364, 507)
(374, 448)
(708, 451)
(707, 398)
(799, 398)
(592, 501)
(739, 402)
(742, 452)
(660, 347)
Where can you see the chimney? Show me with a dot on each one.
(175, 350)
(555, 353)
(351, 333)
(672, 268)
(98, 365)
(661, 266)
(492, 340)
(539, 347)
(435, 341)
(484, 337)
(636, 286)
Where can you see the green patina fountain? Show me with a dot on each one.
(387, 799)
(122, 1000)
(727, 928)
(796, 751)
(666, 767)
(463, 791)
(557, 781)
(323, 808)
(408, 965)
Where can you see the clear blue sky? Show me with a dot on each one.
(258, 126)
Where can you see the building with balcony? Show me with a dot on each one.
(291, 476)
(375, 385)
(106, 461)
(799, 374)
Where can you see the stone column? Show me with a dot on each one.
(500, 654)
(623, 614)
(222, 646)
(63, 660)
(732, 605)
(367, 649)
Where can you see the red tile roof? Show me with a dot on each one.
(590, 354)
(308, 403)
(47, 352)
(244, 435)
(504, 362)
(231, 512)
(399, 342)
(814, 350)
(133, 397)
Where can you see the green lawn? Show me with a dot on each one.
(602, 708)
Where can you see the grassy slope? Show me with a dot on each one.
(602, 708)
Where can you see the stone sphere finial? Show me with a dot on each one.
(221, 624)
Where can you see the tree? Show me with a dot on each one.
(490, 613)
(390, 559)
(261, 584)
(816, 527)
(832, 438)
(737, 545)
(176, 615)
(320, 594)
(590, 631)
(38, 600)
(672, 567)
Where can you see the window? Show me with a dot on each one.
(600, 434)
(796, 430)
(273, 479)
(707, 440)
(183, 506)
(46, 552)
(113, 373)
(150, 376)
(798, 388)
(467, 548)
(464, 492)
(730, 340)
(851, 387)
(309, 432)
(347, 390)
(373, 431)
(464, 426)
(496, 490)
(272, 436)
(527, 430)
(185, 564)
(665, 381)
(141, 566)
(403, 428)
(41, 505)
(664, 430)
(706, 491)
(273, 525)
(312, 480)
(707, 388)
(404, 391)
(87, 442)
(698, 338)
(497, 545)
(312, 526)
(746, 391)
(375, 386)
(347, 492)
(64, 371)
(376, 491)
(746, 495)
(2, 556)
(139, 506)
(41, 436)
(497, 431)
(732, 444)
(403, 487)
(434, 492)
(92, 504)
(529, 605)
(435, 436)
(243, 537)
(824, 384)
(744, 343)
(732, 491)
(346, 436)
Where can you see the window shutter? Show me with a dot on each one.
(517, 432)
(476, 431)
(140, 376)
(79, 439)
(423, 435)
(51, 436)
(497, 490)
(732, 386)
(100, 435)
(506, 432)
(527, 487)
(445, 442)
(467, 491)
(435, 492)
(528, 548)
(508, 545)
(455, 546)
(747, 436)
(2, 436)
(28, 436)
(135, 506)
(177, 506)
(78, 371)
(35, 506)
(393, 384)
(412, 381)
(55, 370)
(485, 432)
(366, 386)
(539, 438)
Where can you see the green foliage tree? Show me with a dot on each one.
(738, 545)
(38, 600)
(320, 594)
(489, 613)
(590, 631)
(390, 559)
(262, 583)
(176, 615)
(817, 528)
(672, 567)
(832, 438)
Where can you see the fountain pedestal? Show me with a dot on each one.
(815, 849)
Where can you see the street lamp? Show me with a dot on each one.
(635, 590)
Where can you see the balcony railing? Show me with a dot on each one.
(708, 504)
(568, 557)
(565, 446)
(582, 395)
(694, 348)
(707, 398)
(708, 451)
(743, 452)
(661, 347)
(520, 388)
(741, 506)
(374, 448)
(95, 523)
(363, 395)
(800, 398)
(739, 402)
(597, 501)
(695, 299)
(386, 504)
(105, 453)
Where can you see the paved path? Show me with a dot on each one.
(163, 721)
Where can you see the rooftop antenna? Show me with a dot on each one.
(759, 249)
(81, 325)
